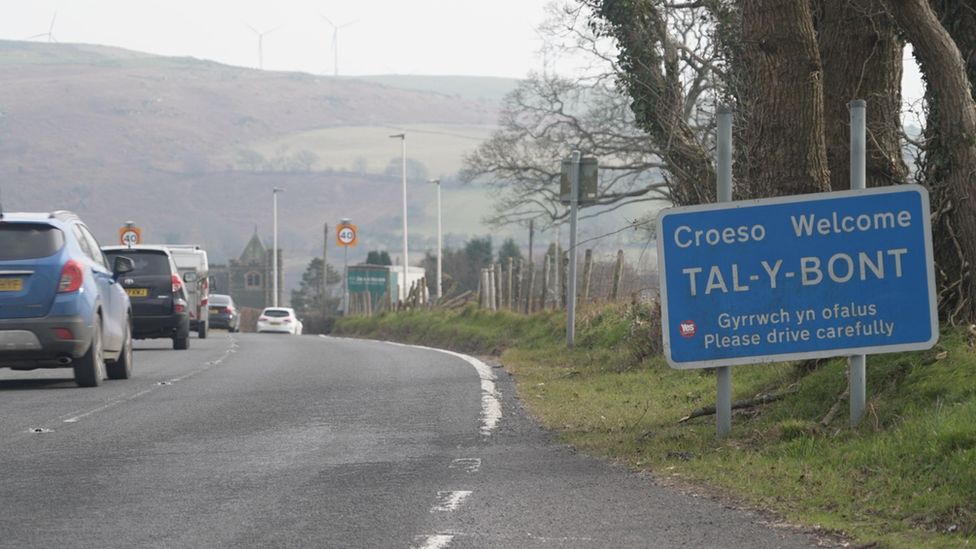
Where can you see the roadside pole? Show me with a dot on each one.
(574, 182)
(325, 271)
(857, 370)
(723, 398)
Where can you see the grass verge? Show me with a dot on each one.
(906, 477)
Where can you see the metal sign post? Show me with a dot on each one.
(723, 375)
(857, 364)
(574, 181)
(346, 235)
(578, 185)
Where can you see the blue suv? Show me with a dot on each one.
(61, 305)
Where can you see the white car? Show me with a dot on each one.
(280, 320)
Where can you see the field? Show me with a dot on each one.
(369, 149)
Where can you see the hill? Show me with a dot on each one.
(191, 149)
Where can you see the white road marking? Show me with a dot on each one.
(546, 539)
(437, 541)
(450, 501)
(468, 465)
(76, 416)
(116, 402)
(491, 407)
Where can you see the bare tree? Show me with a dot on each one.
(659, 154)
(544, 119)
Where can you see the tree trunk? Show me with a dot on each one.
(951, 157)
(959, 18)
(781, 101)
(862, 59)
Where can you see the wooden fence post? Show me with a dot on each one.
(519, 280)
(547, 266)
(510, 294)
(618, 273)
(587, 273)
(497, 286)
(529, 306)
(481, 289)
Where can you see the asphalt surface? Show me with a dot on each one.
(252, 440)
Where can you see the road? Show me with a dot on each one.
(250, 440)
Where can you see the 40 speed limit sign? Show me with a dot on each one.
(130, 236)
(346, 234)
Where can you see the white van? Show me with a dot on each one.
(191, 260)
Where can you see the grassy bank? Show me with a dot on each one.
(906, 477)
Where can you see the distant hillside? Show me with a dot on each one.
(191, 149)
(479, 88)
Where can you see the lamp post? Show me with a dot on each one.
(439, 241)
(403, 171)
(274, 245)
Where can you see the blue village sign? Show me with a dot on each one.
(820, 275)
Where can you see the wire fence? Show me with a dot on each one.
(529, 287)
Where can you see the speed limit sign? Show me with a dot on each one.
(130, 236)
(346, 234)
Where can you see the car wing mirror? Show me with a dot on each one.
(122, 265)
(190, 277)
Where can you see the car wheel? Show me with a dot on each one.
(90, 368)
(202, 330)
(122, 368)
(181, 343)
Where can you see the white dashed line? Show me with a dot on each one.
(75, 417)
(438, 541)
(468, 465)
(450, 501)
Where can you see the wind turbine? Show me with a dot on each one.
(50, 31)
(335, 40)
(261, 36)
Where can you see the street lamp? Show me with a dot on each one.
(403, 171)
(274, 245)
(439, 242)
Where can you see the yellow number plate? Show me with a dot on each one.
(214, 310)
(11, 284)
(137, 292)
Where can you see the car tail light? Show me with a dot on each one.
(227, 310)
(72, 276)
(204, 301)
(177, 283)
(179, 306)
(63, 334)
(263, 318)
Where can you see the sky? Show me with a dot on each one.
(430, 37)
(421, 37)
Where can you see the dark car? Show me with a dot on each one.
(159, 302)
(224, 313)
(60, 302)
